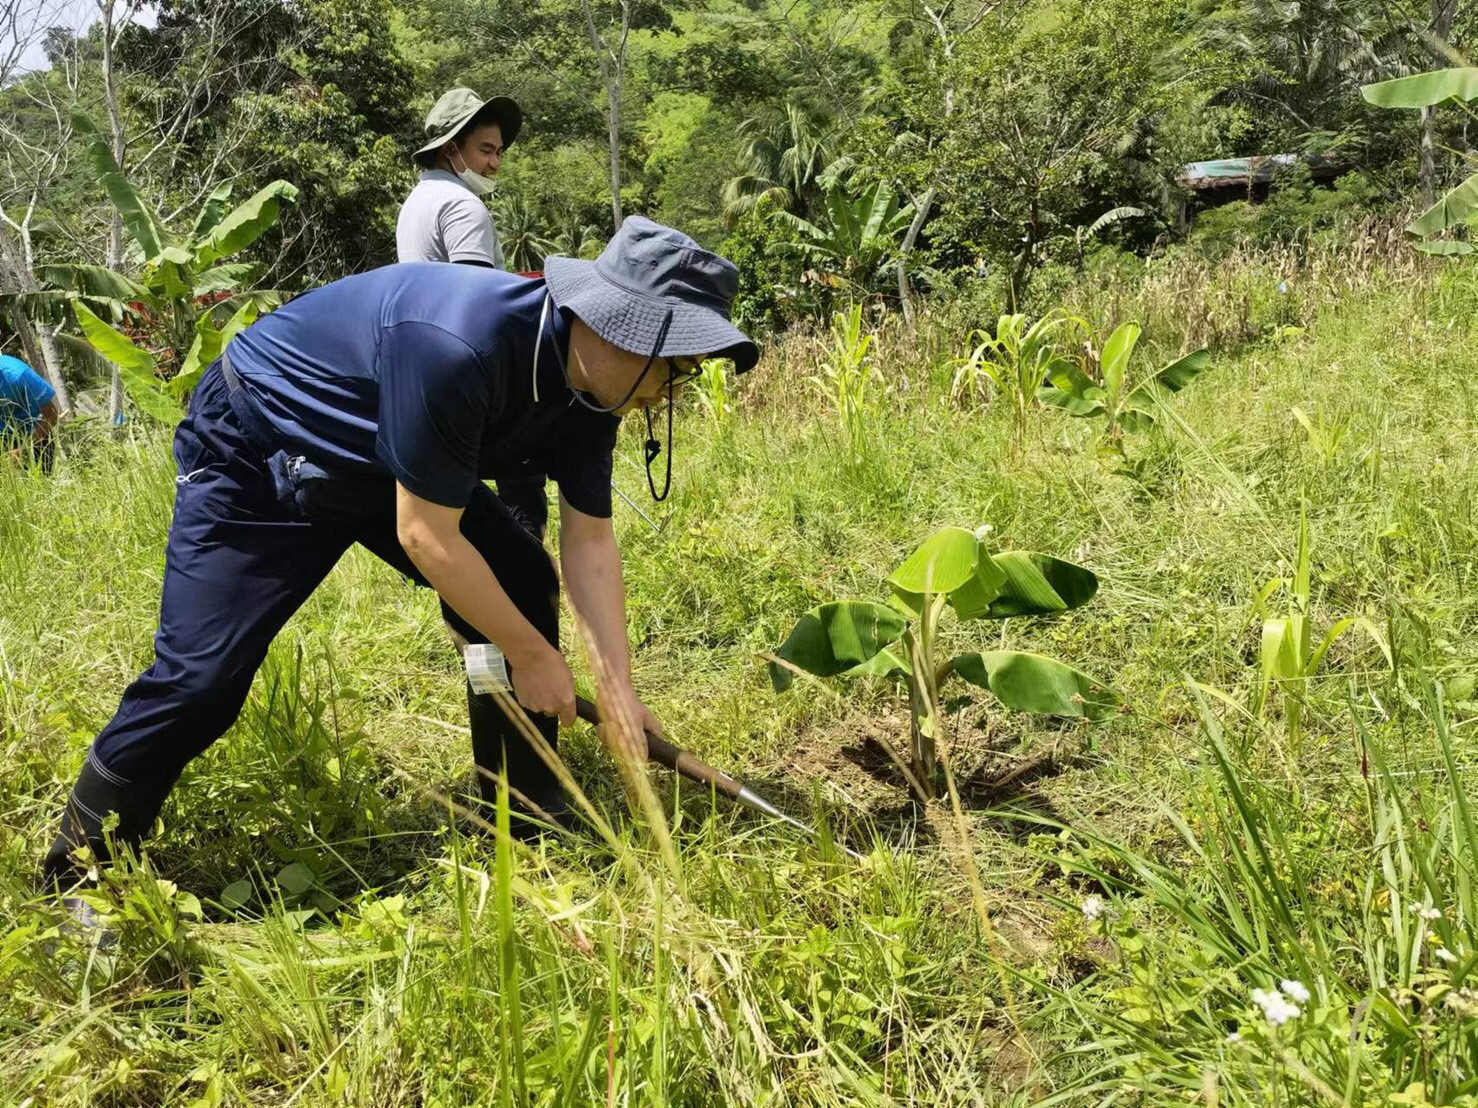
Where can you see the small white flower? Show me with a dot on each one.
(1235, 1037)
(1276, 1008)
(1294, 991)
(1093, 908)
(1442, 954)
(1430, 914)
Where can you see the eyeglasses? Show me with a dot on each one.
(681, 370)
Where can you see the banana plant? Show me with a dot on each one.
(1458, 86)
(187, 300)
(857, 238)
(1288, 657)
(901, 639)
(1123, 405)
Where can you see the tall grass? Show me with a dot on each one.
(319, 920)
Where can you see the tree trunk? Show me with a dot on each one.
(115, 231)
(612, 68)
(1439, 28)
(39, 342)
(905, 291)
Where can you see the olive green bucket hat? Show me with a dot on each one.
(456, 108)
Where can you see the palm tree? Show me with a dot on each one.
(522, 236)
(787, 153)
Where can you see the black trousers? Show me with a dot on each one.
(242, 557)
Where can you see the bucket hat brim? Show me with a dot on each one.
(632, 320)
(505, 109)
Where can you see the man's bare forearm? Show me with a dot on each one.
(592, 571)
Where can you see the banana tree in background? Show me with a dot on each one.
(856, 236)
(901, 639)
(1455, 86)
(162, 326)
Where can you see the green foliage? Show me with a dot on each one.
(1123, 403)
(181, 285)
(1288, 656)
(952, 568)
(1015, 362)
(857, 236)
(850, 380)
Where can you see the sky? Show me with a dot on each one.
(77, 15)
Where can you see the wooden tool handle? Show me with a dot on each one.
(674, 758)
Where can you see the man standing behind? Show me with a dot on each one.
(28, 410)
(445, 220)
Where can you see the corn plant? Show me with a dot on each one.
(849, 379)
(712, 388)
(1123, 405)
(1014, 363)
(1288, 657)
(901, 639)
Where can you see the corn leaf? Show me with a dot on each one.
(1033, 683)
(836, 637)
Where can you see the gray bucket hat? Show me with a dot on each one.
(650, 277)
(456, 107)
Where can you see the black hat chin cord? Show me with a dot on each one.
(652, 446)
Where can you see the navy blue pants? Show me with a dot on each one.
(241, 559)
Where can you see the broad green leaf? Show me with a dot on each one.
(1279, 655)
(142, 225)
(1033, 683)
(247, 222)
(834, 638)
(1116, 354)
(208, 345)
(1424, 90)
(211, 211)
(295, 878)
(1181, 372)
(1039, 584)
(94, 281)
(1068, 376)
(1444, 248)
(885, 663)
(1453, 209)
(135, 366)
(973, 599)
(944, 562)
(237, 895)
(226, 278)
(1073, 405)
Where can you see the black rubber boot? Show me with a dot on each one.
(497, 742)
(96, 794)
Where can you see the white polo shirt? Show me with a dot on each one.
(443, 220)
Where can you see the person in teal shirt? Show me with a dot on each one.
(28, 409)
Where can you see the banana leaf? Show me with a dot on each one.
(1424, 90)
(245, 223)
(139, 220)
(945, 561)
(1033, 683)
(1452, 210)
(1039, 585)
(211, 211)
(836, 637)
(135, 367)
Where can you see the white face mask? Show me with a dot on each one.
(475, 181)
